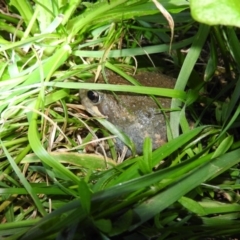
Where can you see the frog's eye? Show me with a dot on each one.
(94, 96)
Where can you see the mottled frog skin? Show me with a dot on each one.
(135, 114)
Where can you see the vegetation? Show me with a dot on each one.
(51, 187)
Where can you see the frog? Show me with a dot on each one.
(137, 115)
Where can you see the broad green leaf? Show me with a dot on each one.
(214, 12)
(223, 146)
(214, 207)
(90, 161)
(145, 163)
(184, 74)
(120, 88)
(85, 196)
(133, 51)
(192, 205)
(104, 225)
(26, 11)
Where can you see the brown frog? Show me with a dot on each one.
(136, 115)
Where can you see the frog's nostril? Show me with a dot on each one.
(94, 96)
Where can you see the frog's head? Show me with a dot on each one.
(91, 100)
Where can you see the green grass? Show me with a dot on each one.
(51, 188)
